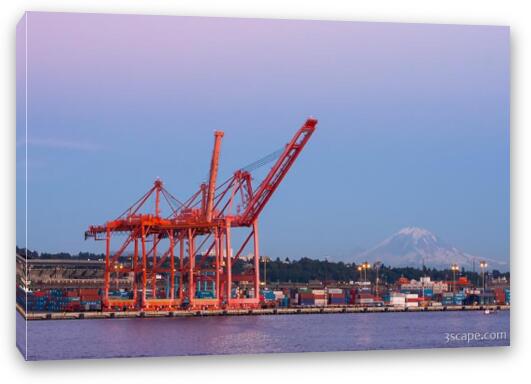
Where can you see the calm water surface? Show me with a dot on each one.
(69, 339)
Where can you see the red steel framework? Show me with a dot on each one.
(193, 244)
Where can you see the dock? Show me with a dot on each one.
(248, 312)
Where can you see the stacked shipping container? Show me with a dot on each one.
(59, 300)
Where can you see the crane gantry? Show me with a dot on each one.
(196, 232)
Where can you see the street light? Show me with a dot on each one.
(377, 266)
(265, 260)
(483, 266)
(454, 268)
(360, 268)
(365, 266)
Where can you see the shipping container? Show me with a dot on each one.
(268, 295)
(320, 302)
(499, 294)
(89, 291)
(337, 300)
(284, 302)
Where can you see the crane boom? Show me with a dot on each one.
(213, 175)
(271, 182)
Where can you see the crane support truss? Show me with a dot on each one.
(170, 258)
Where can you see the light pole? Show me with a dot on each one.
(360, 268)
(376, 280)
(116, 274)
(483, 266)
(264, 259)
(454, 268)
(365, 266)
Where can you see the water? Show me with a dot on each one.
(69, 339)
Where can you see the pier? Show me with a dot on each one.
(248, 312)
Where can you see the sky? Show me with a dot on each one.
(413, 125)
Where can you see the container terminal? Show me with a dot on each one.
(166, 256)
(72, 289)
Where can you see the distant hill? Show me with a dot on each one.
(414, 247)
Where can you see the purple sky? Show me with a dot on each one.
(413, 125)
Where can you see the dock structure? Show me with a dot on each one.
(248, 312)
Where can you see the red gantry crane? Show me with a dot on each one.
(196, 232)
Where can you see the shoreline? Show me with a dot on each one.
(249, 312)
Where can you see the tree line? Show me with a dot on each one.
(305, 269)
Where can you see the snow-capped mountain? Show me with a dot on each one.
(415, 247)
